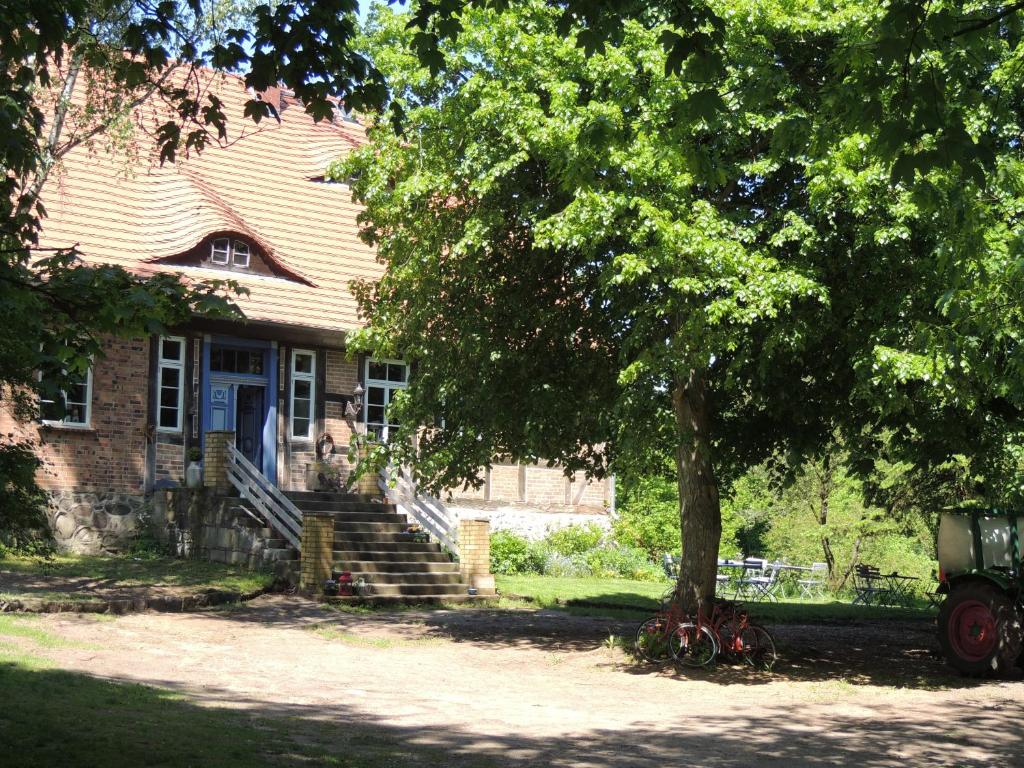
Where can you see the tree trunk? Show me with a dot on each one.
(699, 512)
(824, 493)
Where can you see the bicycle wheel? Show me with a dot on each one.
(758, 648)
(693, 646)
(652, 640)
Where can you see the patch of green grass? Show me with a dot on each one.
(21, 626)
(332, 633)
(125, 572)
(622, 598)
(68, 718)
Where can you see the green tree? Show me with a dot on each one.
(587, 256)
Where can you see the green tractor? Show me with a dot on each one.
(980, 621)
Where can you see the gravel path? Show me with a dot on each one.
(545, 688)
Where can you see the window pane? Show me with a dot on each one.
(240, 254)
(51, 410)
(256, 363)
(75, 413)
(375, 414)
(375, 395)
(302, 389)
(300, 408)
(396, 372)
(77, 393)
(219, 252)
(300, 427)
(169, 377)
(378, 371)
(303, 363)
(168, 397)
(171, 350)
(169, 418)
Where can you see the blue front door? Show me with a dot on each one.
(239, 379)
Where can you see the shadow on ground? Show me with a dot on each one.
(902, 654)
(74, 719)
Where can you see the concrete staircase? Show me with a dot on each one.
(370, 542)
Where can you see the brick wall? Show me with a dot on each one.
(170, 460)
(109, 456)
(317, 549)
(475, 554)
(540, 486)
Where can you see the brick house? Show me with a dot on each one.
(260, 212)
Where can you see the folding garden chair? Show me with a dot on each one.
(870, 586)
(761, 583)
(814, 585)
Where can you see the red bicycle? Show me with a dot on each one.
(671, 633)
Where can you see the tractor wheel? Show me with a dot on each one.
(980, 630)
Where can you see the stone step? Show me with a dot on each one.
(411, 577)
(344, 506)
(389, 600)
(298, 496)
(409, 590)
(272, 542)
(349, 555)
(385, 546)
(345, 527)
(369, 517)
(394, 566)
(280, 553)
(346, 537)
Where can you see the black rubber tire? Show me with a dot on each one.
(980, 630)
(759, 648)
(693, 646)
(652, 640)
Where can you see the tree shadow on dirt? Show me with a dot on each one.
(900, 654)
(71, 718)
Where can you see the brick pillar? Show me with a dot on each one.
(475, 554)
(215, 461)
(317, 551)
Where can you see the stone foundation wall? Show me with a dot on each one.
(205, 526)
(88, 523)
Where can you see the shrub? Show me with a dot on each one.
(575, 539)
(623, 562)
(512, 554)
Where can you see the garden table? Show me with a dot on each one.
(900, 588)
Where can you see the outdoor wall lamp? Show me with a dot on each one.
(355, 406)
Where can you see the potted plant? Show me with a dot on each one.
(194, 471)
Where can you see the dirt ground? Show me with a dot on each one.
(516, 688)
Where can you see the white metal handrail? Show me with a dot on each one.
(429, 511)
(276, 508)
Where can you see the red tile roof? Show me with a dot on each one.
(131, 212)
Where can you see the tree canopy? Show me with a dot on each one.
(595, 260)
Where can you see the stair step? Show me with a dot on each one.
(382, 537)
(387, 600)
(362, 498)
(349, 556)
(346, 527)
(360, 542)
(394, 567)
(344, 506)
(274, 553)
(369, 517)
(417, 578)
(379, 589)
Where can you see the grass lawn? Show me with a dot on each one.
(622, 597)
(92, 575)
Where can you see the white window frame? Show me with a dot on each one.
(234, 254)
(226, 250)
(64, 423)
(389, 388)
(170, 364)
(302, 376)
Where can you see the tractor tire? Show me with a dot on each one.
(980, 630)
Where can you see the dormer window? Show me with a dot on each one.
(226, 252)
